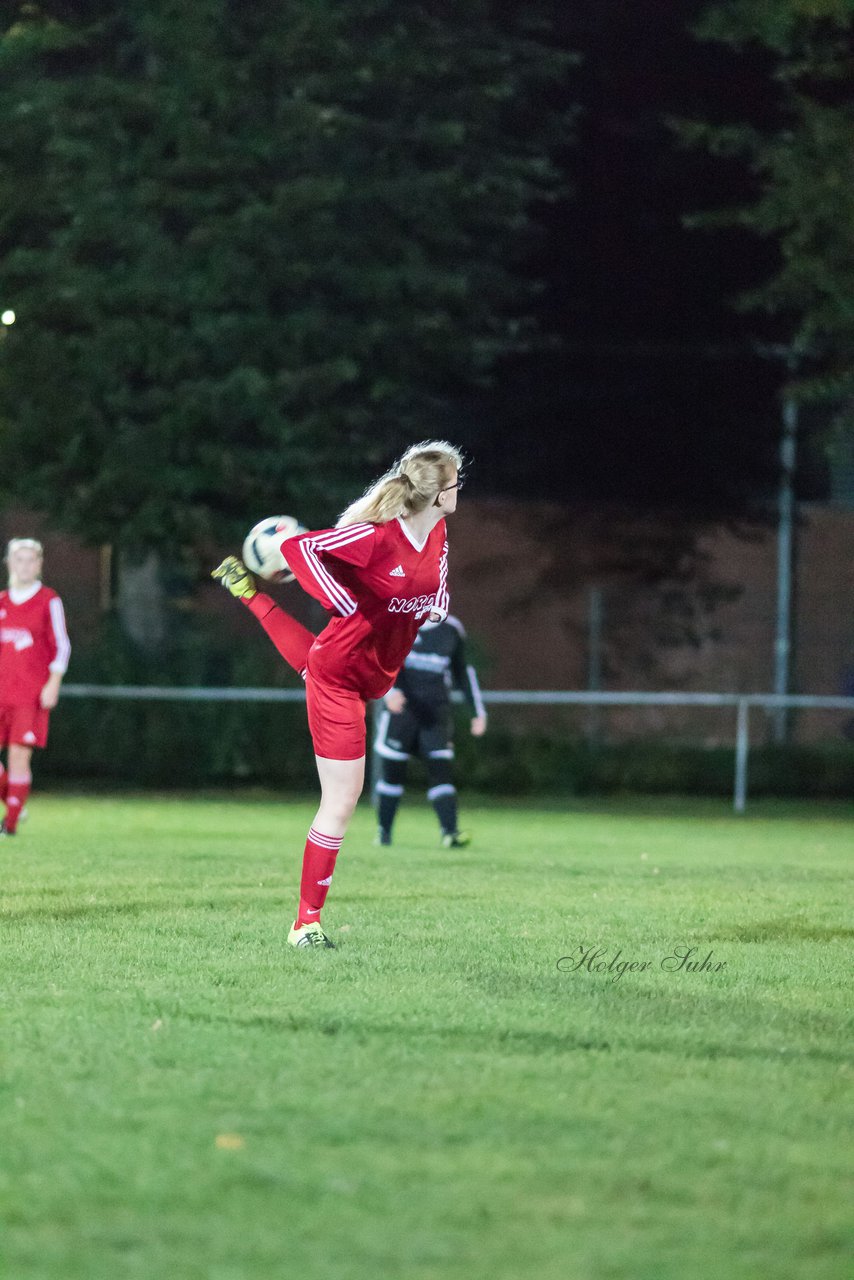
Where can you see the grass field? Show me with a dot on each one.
(184, 1097)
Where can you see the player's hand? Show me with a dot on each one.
(478, 726)
(49, 695)
(395, 701)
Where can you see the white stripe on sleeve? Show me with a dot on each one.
(332, 541)
(340, 598)
(381, 745)
(60, 635)
(348, 533)
(442, 601)
(479, 708)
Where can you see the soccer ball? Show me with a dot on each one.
(262, 553)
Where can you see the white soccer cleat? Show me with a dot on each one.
(309, 935)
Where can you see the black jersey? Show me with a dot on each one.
(436, 664)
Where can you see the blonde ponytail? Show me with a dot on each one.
(411, 485)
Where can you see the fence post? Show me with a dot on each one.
(742, 746)
(594, 662)
(375, 764)
(785, 564)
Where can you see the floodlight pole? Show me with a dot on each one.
(785, 543)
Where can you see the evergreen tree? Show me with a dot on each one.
(252, 248)
(803, 160)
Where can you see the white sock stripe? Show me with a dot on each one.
(444, 790)
(326, 842)
(389, 789)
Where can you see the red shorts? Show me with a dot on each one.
(336, 719)
(24, 726)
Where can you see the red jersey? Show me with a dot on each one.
(382, 585)
(33, 642)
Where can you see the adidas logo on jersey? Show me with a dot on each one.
(397, 573)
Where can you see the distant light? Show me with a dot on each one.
(8, 317)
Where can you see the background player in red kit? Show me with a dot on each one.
(34, 652)
(381, 571)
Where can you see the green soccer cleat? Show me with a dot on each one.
(309, 935)
(455, 839)
(236, 578)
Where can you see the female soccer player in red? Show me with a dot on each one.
(381, 571)
(34, 651)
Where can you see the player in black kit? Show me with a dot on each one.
(416, 719)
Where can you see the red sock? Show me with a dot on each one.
(318, 863)
(17, 790)
(290, 637)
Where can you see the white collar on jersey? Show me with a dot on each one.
(419, 546)
(20, 595)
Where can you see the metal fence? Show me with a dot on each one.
(740, 702)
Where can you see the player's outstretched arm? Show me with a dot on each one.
(311, 558)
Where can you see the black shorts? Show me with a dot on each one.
(407, 733)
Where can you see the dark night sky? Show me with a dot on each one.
(657, 395)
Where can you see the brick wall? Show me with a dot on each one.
(521, 574)
(521, 577)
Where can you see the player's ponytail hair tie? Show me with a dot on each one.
(410, 486)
